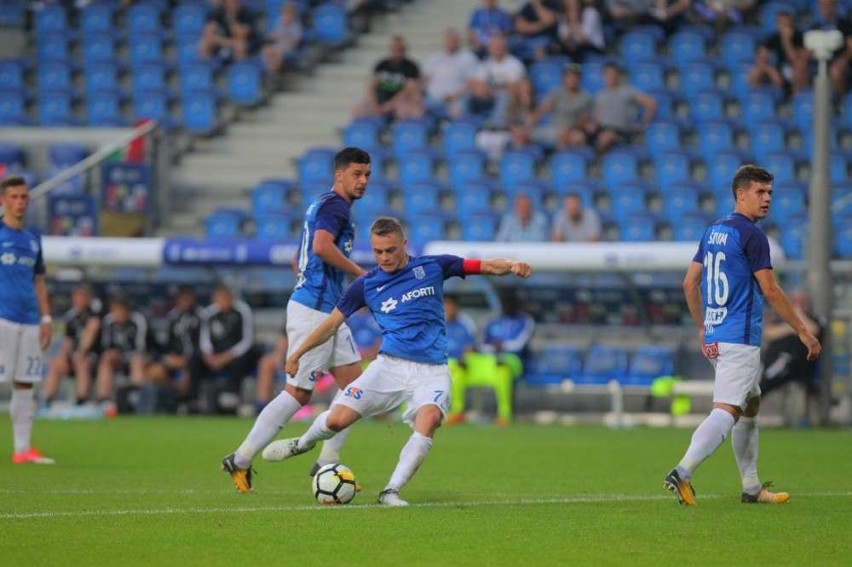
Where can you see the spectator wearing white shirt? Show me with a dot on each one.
(580, 31)
(493, 83)
(524, 224)
(447, 74)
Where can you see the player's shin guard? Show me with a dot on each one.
(744, 440)
(711, 433)
(21, 411)
(410, 458)
(267, 425)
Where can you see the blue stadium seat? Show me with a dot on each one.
(11, 155)
(690, 227)
(516, 167)
(272, 227)
(12, 108)
(714, 137)
(12, 75)
(200, 112)
(224, 223)
(101, 77)
(188, 20)
(270, 196)
(465, 166)
(794, 237)
(553, 364)
(96, 18)
(648, 75)
(649, 362)
(98, 48)
(638, 228)
(782, 165)
(13, 14)
(50, 19)
(737, 47)
(145, 48)
(619, 166)
(187, 54)
(627, 199)
(52, 47)
(245, 83)
(459, 136)
(103, 109)
(426, 227)
(803, 110)
(54, 77)
(637, 45)
(55, 109)
(197, 77)
(707, 106)
(757, 106)
(421, 197)
(415, 167)
(144, 18)
(846, 111)
(680, 201)
(409, 136)
(843, 239)
(696, 79)
(788, 201)
(767, 137)
(721, 169)
(545, 75)
(473, 196)
(686, 47)
(149, 77)
(152, 104)
(603, 363)
(665, 104)
(768, 13)
(592, 76)
(316, 165)
(662, 136)
(838, 168)
(362, 134)
(568, 167)
(480, 227)
(67, 153)
(331, 25)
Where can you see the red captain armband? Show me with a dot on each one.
(472, 267)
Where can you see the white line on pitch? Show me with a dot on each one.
(591, 499)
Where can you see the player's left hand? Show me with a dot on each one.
(811, 343)
(521, 269)
(292, 366)
(45, 333)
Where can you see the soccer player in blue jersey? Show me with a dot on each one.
(405, 295)
(725, 287)
(25, 323)
(322, 263)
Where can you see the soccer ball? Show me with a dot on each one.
(333, 484)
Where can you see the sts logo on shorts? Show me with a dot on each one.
(353, 392)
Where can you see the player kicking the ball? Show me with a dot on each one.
(405, 294)
(322, 263)
(725, 287)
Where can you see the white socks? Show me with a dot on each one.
(21, 410)
(410, 459)
(267, 425)
(744, 440)
(711, 433)
(330, 452)
(318, 431)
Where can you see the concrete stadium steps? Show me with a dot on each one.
(265, 142)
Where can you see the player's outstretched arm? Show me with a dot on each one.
(322, 333)
(503, 267)
(781, 304)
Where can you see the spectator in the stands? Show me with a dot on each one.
(669, 14)
(576, 223)
(536, 28)
(485, 23)
(721, 13)
(227, 344)
(124, 350)
(78, 355)
(581, 31)
(626, 13)
(447, 74)
(764, 73)
(616, 116)
(393, 91)
(230, 32)
(492, 85)
(516, 135)
(285, 38)
(524, 223)
(571, 109)
(791, 57)
(840, 66)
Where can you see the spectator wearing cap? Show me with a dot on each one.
(620, 111)
(571, 109)
(524, 223)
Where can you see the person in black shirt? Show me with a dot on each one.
(536, 28)
(172, 370)
(230, 31)
(124, 341)
(840, 67)
(791, 58)
(226, 341)
(394, 88)
(78, 354)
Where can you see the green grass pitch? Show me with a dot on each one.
(148, 492)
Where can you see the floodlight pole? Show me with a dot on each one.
(822, 44)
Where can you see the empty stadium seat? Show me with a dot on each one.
(96, 18)
(12, 75)
(54, 77)
(672, 168)
(426, 227)
(686, 47)
(153, 104)
(99, 48)
(788, 201)
(665, 104)
(362, 134)
(568, 167)
(679, 201)
(149, 77)
(11, 155)
(200, 112)
(421, 198)
(591, 76)
(103, 109)
(480, 227)
(272, 226)
(707, 106)
(145, 48)
(49, 19)
(553, 364)
(737, 47)
(696, 79)
(689, 227)
(714, 137)
(409, 136)
(12, 108)
(245, 83)
(316, 165)
(459, 136)
(638, 227)
(803, 110)
(637, 45)
(767, 137)
(782, 165)
(197, 77)
(647, 75)
(603, 363)
(55, 109)
(144, 18)
(101, 77)
(516, 167)
(649, 362)
(415, 167)
(465, 166)
(473, 196)
(721, 169)
(619, 166)
(757, 106)
(188, 20)
(52, 48)
(843, 239)
(545, 75)
(331, 25)
(225, 223)
(627, 199)
(794, 237)
(838, 168)
(270, 196)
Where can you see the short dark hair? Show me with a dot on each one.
(384, 226)
(120, 300)
(612, 65)
(12, 181)
(748, 174)
(348, 156)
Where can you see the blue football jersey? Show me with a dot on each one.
(408, 305)
(20, 262)
(318, 285)
(731, 250)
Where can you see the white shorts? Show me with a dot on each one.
(389, 382)
(339, 350)
(21, 358)
(737, 374)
